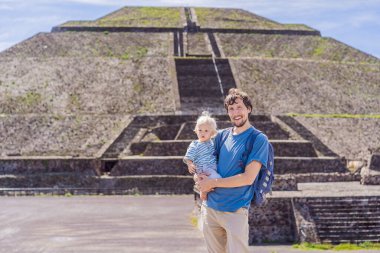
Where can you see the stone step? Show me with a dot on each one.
(37, 165)
(202, 64)
(359, 201)
(349, 241)
(228, 82)
(349, 224)
(144, 121)
(350, 236)
(198, 102)
(54, 180)
(343, 221)
(156, 166)
(190, 72)
(271, 129)
(37, 191)
(179, 147)
(121, 141)
(329, 227)
(284, 165)
(202, 94)
(173, 165)
(165, 132)
(341, 204)
(198, 82)
(147, 184)
(212, 88)
(326, 229)
(150, 165)
(349, 232)
(185, 62)
(344, 200)
(347, 218)
(188, 108)
(343, 209)
(347, 212)
(325, 177)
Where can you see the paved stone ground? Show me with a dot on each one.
(133, 224)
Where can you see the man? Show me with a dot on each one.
(225, 213)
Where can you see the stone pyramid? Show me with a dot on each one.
(108, 107)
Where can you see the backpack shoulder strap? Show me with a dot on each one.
(249, 145)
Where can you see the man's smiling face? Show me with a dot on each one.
(238, 113)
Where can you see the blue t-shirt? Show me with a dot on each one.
(231, 199)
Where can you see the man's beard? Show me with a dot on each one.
(241, 124)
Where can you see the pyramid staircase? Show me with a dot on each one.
(151, 149)
(198, 84)
(346, 219)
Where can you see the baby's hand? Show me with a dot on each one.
(191, 168)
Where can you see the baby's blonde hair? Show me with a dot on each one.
(206, 118)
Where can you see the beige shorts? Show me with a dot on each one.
(225, 232)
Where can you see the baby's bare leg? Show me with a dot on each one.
(203, 195)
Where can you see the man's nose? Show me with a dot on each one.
(234, 113)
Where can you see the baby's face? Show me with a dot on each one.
(204, 132)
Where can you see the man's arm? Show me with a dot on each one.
(247, 178)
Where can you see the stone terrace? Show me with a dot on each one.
(288, 46)
(136, 17)
(61, 85)
(58, 135)
(330, 87)
(93, 44)
(239, 19)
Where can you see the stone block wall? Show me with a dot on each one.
(305, 227)
(272, 223)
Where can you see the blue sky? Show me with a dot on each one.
(353, 22)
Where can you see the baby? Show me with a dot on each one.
(199, 155)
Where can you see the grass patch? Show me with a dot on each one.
(74, 100)
(31, 98)
(320, 49)
(141, 52)
(134, 52)
(339, 247)
(342, 116)
(135, 17)
(125, 56)
(313, 246)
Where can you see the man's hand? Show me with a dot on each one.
(205, 184)
(200, 176)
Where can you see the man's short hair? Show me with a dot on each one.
(234, 94)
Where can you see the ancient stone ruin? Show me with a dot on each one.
(108, 107)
